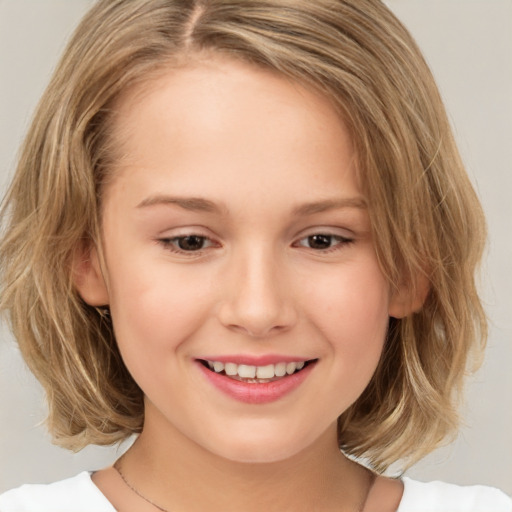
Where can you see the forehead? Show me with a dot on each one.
(220, 121)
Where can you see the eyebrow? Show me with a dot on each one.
(197, 204)
(200, 204)
(330, 204)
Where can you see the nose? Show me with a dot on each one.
(257, 298)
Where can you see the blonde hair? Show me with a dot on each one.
(426, 219)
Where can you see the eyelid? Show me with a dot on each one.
(181, 237)
(170, 241)
(327, 230)
(343, 239)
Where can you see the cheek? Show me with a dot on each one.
(350, 308)
(155, 309)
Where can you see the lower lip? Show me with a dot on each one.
(253, 393)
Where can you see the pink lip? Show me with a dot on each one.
(253, 393)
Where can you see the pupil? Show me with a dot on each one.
(319, 241)
(191, 243)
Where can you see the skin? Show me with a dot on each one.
(258, 150)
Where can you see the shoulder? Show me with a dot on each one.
(443, 497)
(77, 494)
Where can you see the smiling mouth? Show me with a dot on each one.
(256, 374)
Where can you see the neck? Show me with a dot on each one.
(173, 471)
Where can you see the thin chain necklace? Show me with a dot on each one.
(117, 467)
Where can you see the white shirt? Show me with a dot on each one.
(80, 494)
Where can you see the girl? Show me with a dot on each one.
(241, 230)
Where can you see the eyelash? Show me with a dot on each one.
(171, 244)
(342, 242)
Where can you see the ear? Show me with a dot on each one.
(88, 277)
(409, 299)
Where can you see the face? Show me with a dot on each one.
(237, 247)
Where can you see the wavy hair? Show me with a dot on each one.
(426, 219)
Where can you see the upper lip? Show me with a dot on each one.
(252, 360)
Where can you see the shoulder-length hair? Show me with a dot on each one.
(426, 220)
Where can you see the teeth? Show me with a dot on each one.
(261, 373)
(290, 368)
(265, 372)
(218, 367)
(280, 370)
(231, 368)
(246, 372)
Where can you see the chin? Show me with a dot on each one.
(261, 449)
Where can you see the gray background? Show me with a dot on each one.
(468, 44)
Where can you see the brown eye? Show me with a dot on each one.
(320, 241)
(191, 243)
(324, 242)
(187, 243)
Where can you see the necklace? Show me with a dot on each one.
(117, 467)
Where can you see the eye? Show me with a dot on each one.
(323, 241)
(187, 243)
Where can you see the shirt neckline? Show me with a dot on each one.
(100, 494)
